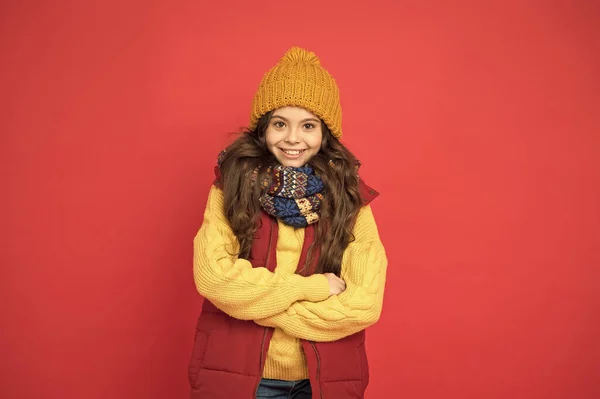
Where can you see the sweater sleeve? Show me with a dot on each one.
(232, 284)
(364, 267)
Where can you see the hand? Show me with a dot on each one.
(336, 284)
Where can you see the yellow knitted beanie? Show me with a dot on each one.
(299, 80)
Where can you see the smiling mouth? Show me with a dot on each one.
(292, 152)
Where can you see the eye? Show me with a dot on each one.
(309, 126)
(279, 124)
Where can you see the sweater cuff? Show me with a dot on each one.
(314, 288)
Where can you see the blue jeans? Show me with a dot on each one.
(279, 389)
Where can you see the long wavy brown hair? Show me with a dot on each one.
(334, 164)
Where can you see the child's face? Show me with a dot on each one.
(294, 136)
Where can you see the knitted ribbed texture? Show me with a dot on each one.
(298, 79)
(364, 267)
(296, 306)
(285, 360)
(233, 285)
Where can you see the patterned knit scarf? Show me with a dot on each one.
(293, 195)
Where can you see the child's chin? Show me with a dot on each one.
(293, 163)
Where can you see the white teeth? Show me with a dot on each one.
(291, 152)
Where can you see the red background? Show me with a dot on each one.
(477, 121)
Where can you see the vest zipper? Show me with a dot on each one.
(260, 363)
(262, 345)
(318, 367)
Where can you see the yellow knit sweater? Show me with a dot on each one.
(296, 306)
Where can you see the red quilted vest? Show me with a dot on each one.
(229, 354)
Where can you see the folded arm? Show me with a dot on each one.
(232, 284)
(364, 267)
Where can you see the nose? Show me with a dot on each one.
(293, 136)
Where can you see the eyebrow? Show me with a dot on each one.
(303, 120)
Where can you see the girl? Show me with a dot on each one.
(288, 257)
